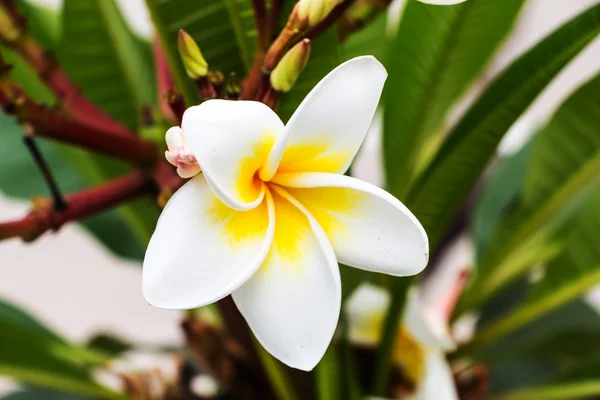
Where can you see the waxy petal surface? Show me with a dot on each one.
(202, 250)
(231, 140)
(368, 227)
(327, 129)
(292, 303)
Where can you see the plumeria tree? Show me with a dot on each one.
(220, 156)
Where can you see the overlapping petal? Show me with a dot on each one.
(428, 327)
(368, 227)
(438, 382)
(292, 303)
(329, 126)
(202, 250)
(232, 139)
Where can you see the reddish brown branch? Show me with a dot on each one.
(176, 104)
(260, 20)
(274, 16)
(46, 66)
(79, 205)
(53, 125)
(164, 80)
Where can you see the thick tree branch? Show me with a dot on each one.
(49, 123)
(14, 35)
(78, 206)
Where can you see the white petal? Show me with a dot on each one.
(425, 326)
(368, 227)
(329, 126)
(174, 139)
(365, 311)
(442, 2)
(438, 383)
(202, 250)
(231, 141)
(292, 303)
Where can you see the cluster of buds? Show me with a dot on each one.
(308, 13)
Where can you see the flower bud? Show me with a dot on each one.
(195, 65)
(179, 155)
(291, 65)
(308, 13)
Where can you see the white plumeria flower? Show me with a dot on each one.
(442, 2)
(179, 154)
(421, 341)
(272, 214)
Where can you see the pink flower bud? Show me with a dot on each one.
(179, 155)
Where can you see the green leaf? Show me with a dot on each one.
(103, 57)
(500, 194)
(370, 40)
(324, 57)
(472, 142)
(545, 350)
(35, 393)
(563, 173)
(43, 24)
(224, 30)
(33, 354)
(564, 391)
(436, 53)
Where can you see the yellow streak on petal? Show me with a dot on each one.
(239, 227)
(330, 206)
(409, 355)
(291, 231)
(313, 157)
(249, 184)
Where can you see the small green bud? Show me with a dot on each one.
(291, 65)
(195, 65)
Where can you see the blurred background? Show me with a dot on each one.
(77, 287)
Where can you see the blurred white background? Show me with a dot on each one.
(75, 286)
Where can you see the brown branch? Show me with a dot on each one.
(79, 205)
(176, 104)
(46, 66)
(274, 17)
(164, 80)
(50, 124)
(260, 20)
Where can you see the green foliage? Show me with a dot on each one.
(561, 177)
(436, 53)
(470, 145)
(38, 356)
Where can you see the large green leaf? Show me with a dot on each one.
(33, 354)
(103, 57)
(36, 393)
(499, 196)
(472, 142)
(436, 53)
(545, 350)
(370, 40)
(224, 30)
(564, 170)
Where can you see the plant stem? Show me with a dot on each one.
(52, 125)
(328, 375)
(383, 361)
(260, 20)
(564, 391)
(79, 205)
(277, 377)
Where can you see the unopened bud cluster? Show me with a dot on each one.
(308, 13)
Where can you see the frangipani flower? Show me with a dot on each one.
(272, 214)
(179, 155)
(420, 344)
